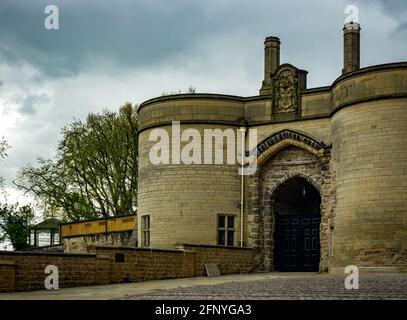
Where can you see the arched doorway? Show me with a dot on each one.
(296, 206)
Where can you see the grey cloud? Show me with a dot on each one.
(403, 27)
(165, 45)
(28, 106)
(397, 8)
(130, 32)
(144, 33)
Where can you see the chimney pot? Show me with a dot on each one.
(271, 62)
(351, 47)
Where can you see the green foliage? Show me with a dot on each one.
(3, 148)
(15, 223)
(190, 90)
(95, 170)
(3, 153)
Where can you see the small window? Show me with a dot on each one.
(145, 230)
(226, 230)
(119, 257)
(221, 223)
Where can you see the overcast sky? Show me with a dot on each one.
(109, 52)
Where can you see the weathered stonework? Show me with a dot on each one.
(286, 91)
(24, 271)
(291, 161)
(347, 140)
(80, 244)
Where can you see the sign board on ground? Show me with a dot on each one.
(212, 269)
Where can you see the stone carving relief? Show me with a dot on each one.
(286, 91)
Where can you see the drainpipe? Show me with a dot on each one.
(243, 133)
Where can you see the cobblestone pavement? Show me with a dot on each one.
(290, 286)
(271, 285)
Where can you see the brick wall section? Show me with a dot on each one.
(103, 270)
(23, 271)
(28, 268)
(142, 264)
(7, 276)
(229, 259)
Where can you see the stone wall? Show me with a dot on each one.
(182, 200)
(7, 276)
(23, 271)
(229, 259)
(51, 248)
(369, 152)
(290, 162)
(128, 264)
(80, 244)
(360, 118)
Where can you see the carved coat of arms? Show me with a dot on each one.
(286, 96)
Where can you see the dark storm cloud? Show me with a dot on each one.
(110, 52)
(130, 32)
(137, 33)
(145, 33)
(397, 8)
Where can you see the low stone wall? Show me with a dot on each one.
(23, 271)
(52, 248)
(130, 264)
(80, 244)
(7, 276)
(229, 259)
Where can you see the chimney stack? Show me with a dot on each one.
(351, 47)
(271, 63)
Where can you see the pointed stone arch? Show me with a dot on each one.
(295, 173)
(280, 140)
(260, 219)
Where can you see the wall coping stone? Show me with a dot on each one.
(215, 96)
(115, 248)
(215, 246)
(374, 68)
(52, 254)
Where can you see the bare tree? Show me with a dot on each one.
(95, 170)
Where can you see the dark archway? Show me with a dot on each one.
(296, 205)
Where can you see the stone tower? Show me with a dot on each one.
(331, 163)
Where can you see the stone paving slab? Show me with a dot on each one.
(257, 286)
(298, 287)
(115, 291)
